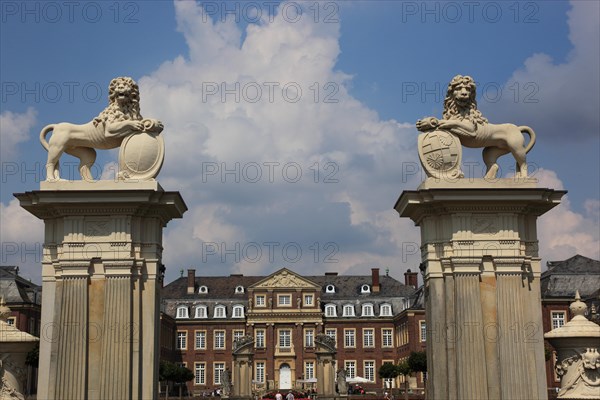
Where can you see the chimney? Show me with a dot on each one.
(375, 280)
(191, 281)
(331, 273)
(411, 278)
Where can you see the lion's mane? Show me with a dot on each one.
(453, 110)
(116, 112)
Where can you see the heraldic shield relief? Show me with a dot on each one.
(440, 153)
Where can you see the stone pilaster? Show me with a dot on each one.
(481, 272)
(101, 273)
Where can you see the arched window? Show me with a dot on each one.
(202, 289)
(201, 312)
(330, 289)
(238, 311)
(385, 310)
(220, 312)
(365, 289)
(330, 310)
(367, 310)
(182, 312)
(348, 310)
(239, 289)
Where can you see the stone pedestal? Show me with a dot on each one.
(481, 271)
(101, 274)
(243, 356)
(325, 373)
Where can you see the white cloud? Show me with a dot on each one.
(14, 129)
(566, 96)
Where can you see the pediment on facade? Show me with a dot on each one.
(284, 278)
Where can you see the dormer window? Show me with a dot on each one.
(202, 289)
(201, 312)
(182, 312)
(220, 312)
(330, 310)
(239, 289)
(330, 289)
(238, 311)
(348, 310)
(385, 310)
(367, 310)
(365, 289)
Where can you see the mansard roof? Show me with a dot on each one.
(563, 278)
(16, 289)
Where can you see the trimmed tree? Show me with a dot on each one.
(417, 362)
(405, 370)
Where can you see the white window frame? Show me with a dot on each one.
(260, 300)
(203, 289)
(309, 300)
(309, 337)
(330, 310)
(237, 334)
(387, 312)
(281, 303)
(309, 369)
(422, 331)
(387, 337)
(260, 372)
(238, 311)
(349, 338)
(217, 311)
(365, 288)
(239, 289)
(12, 321)
(199, 314)
(348, 310)
(369, 337)
(199, 373)
(200, 336)
(369, 370)
(330, 288)
(181, 340)
(367, 310)
(218, 371)
(284, 336)
(182, 312)
(332, 332)
(558, 318)
(259, 337)
(219, 339)
(350, 367)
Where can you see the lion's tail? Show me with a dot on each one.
(43, 135)
(531, 134)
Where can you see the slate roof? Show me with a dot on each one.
(563, 278)
(16, 289)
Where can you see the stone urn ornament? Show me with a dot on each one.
(118, 125)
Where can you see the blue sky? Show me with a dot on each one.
(347, 80)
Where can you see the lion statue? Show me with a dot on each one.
(463, 119)
(121, 118)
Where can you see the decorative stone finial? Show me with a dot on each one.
(578, 307)
(4, 310)
(119, 125)
(463, 124)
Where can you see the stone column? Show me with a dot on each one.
(481, 270)
(325, 373)
(101, 274)
(243, 357)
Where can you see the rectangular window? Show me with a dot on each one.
(238, 333)
(284, 300)
(260, 372)
(219, 370)
(219, 340)
(370, 370)
(309, 370)
(423, 330)
(388, 383)
(349, 338)
(12, 321)
(309, 338)
(369, 337)
(350, 367)
(285, 338)
(259, 300)
(558, 319)
(181, 340)
(200, 373)
(200, 340)
(387, 337)
(259, 338)
(308, 299)
(332, 332)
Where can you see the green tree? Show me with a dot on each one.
(405, 370)
(418, 363)
(171, 372)
(33, 357)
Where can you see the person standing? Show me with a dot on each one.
(290, 396)
(278, 396)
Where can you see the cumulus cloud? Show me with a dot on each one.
(14, 129)
(561, 100)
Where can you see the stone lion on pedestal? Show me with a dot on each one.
(465, 121)
(121, 118)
